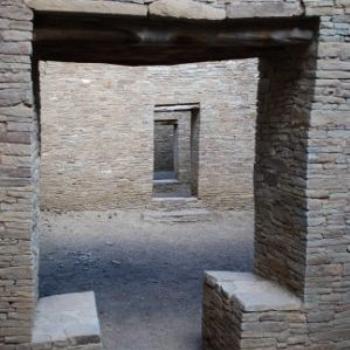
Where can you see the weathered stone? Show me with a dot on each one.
(259, 9)
(14, 97)
(186, 9)
(16, 137)
(70, 317)
(18, 48)
(82, 6)
(244, 288)
(15, 35)
(244, 311)
(16, 13)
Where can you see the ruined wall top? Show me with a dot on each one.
(194, 9)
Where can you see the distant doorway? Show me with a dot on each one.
(176, 147)
(165, 149)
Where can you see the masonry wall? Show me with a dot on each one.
(18, 177)
(97, 131)
(285, 95)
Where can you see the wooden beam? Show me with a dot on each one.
(91, 38)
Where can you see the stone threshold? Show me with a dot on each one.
(165, 181)
(175, 199)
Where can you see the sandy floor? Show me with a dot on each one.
(147, 277)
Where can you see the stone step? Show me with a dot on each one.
(183, 215)
(175, 203)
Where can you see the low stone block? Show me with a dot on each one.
(70, 320)
(243, 311)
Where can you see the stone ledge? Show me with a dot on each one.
(69, 319)
(253, 293)
(245, 312)
(82, 6)
(165, 181)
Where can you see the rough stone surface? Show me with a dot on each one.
(243, 311)
(87, 105)
(18, 177)
(285, 95)
(327, 276)
(253, 293)
(256, 9)
(187, 9)
(69, 318)
(82, 6)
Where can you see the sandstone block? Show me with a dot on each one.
(185, 9)
(81, 6)
(70, 318)
(266, 9)
(18, 48)
(16, 13)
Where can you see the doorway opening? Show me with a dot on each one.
(176, 150)
(97, 165)
(165, 150)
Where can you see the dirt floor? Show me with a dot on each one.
(147, 276)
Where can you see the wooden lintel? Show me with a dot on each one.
(146, 41)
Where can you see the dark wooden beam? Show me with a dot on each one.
(133, 41)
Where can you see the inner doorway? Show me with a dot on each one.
(176, 150)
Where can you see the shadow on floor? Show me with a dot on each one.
(147, 277)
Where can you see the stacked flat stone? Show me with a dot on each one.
(243, 311)
(18, 176)
(327, 256)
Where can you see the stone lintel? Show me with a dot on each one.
(253, 293)
(177, 107)
(92, 7)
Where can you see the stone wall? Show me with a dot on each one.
(97, 131)
(18, 177)
(327, 275)
(285, 95)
